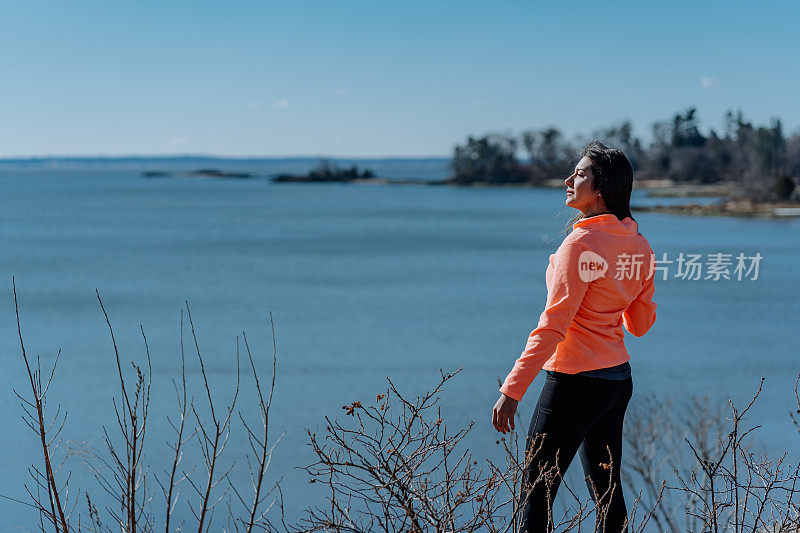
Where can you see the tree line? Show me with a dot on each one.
(760, 157)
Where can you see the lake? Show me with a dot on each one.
(364, 282)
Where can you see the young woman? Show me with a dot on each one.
(599, 280)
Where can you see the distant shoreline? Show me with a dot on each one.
(656, 188)
(145, 162)
(738, 208)
(247, 167)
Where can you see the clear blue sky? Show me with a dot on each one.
(375, 78)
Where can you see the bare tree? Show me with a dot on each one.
(53, 510)
(121, 472)
(124, 474)
(170, 487)
(259, 445)
(213, 438)
(718, 481)
(397, 467)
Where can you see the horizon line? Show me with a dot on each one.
(210, 156)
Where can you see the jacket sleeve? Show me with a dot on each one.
(640, 315)
(565, 292)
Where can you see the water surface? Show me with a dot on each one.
(364, 282)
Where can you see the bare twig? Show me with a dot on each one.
(34, 416)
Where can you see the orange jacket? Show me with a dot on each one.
(599, 280)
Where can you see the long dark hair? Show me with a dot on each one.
(613, 179)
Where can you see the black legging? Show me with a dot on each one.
(578, 411)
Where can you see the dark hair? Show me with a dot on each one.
(613, 178)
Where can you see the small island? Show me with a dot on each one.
(201, 173)
(327, 172)
(216, 173)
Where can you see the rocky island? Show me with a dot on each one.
(327, 172)
(201, 173)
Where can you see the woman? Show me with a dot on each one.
(599, 280)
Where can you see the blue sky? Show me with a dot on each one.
(376, 78)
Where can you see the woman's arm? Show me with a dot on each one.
(565, 292)
(640, 315)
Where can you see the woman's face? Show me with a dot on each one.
(580, 194)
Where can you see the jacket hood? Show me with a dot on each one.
(609, 223)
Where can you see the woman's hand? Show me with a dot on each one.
(503, 413)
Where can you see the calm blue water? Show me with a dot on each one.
(364, 282)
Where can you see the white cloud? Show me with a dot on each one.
(280, 104)
(341, 91)
(708, 82)
(255, 105)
